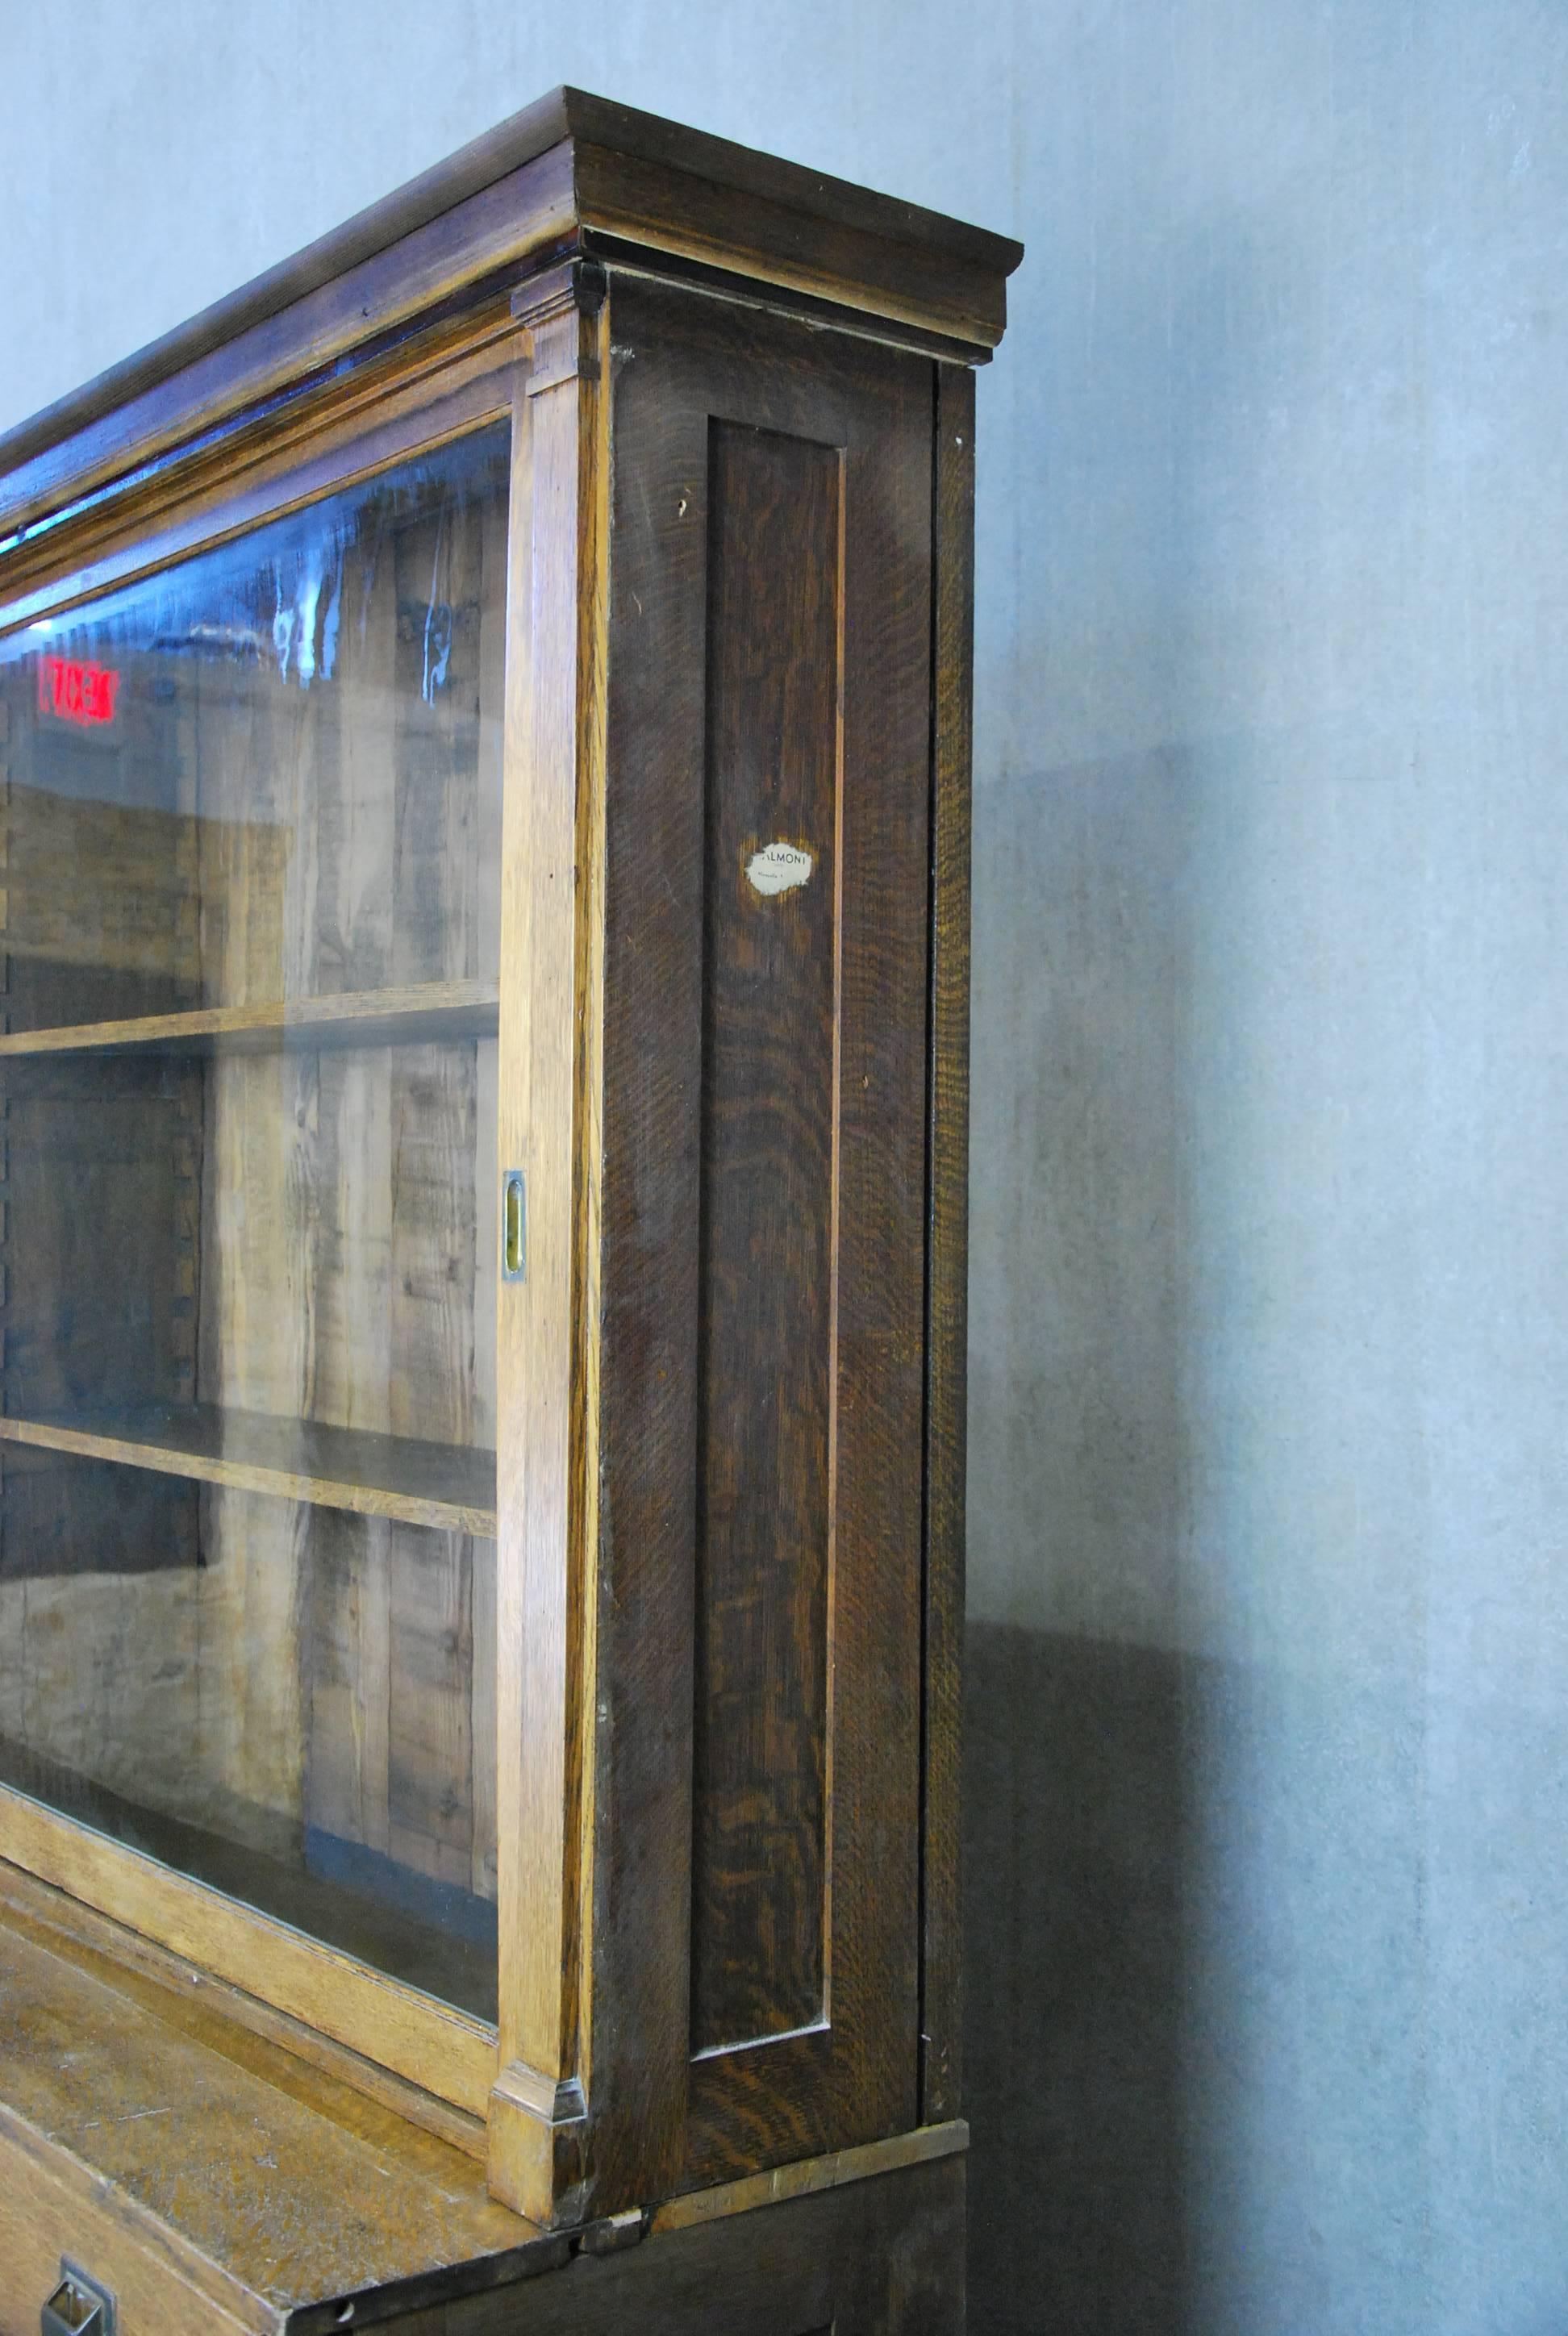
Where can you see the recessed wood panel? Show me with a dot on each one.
(759, 1848)
(766, 1183)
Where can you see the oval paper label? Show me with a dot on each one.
(778, 868)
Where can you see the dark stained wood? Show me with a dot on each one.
(569, 161)
(672, 207)
(599, 1625)
(132, 2120)
(947, 1308)
(683, 361)
(442, 1485)
(759, 1916)
(647, 1405)
(704, 270)
(878, 2257)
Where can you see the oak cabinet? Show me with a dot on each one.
(483, 734)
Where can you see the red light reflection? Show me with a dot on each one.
(73, 692)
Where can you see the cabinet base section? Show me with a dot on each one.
(209, 2178)
(878, 2257)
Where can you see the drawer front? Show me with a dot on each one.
(51, 2208)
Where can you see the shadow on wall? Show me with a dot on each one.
(1080, 1826)
(1074, 1987)
(1076, 1786)
(1095, 2162)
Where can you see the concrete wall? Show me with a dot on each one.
(1269, 1733)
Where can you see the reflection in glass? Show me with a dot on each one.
(249, 948)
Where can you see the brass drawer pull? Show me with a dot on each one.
(79, 2306)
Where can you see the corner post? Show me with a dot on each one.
(947, 1276)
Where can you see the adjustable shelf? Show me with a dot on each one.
(420, 1015)
(451, 1487)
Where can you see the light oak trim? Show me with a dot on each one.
(809, 2174)
(419, 1015)
(172, 1447)
(69, 1927)
(442, 2051)
(549, 1121)
(528, 210)
(213, 502)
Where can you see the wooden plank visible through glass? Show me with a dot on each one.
(416, 1015)
(250, 1064)
(447, 1485)
(438, 2046)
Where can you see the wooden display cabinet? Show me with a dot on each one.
(484, 740)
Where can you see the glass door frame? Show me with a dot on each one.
(354, 433)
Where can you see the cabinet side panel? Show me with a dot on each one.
(765, 1194)
(759, 1964)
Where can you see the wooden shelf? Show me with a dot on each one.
(449, 1487)
(415, 1015)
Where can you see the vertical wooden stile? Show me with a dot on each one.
(549, 1122)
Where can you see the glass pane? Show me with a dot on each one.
(248, 1080)
(292, 1704)
(271, 773)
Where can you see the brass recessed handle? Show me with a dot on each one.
(514, 1226)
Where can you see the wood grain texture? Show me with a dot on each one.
(666, 207)
(947, 1307)
(50, 2206)
(879, 2257)
(214, 2179)
(759, 1852)
(443, 1485)
(689, 1720)
(242, 2024)
(114, 538)
(96, 1573)
(652, 1008)
(569, 160)
(343, 1230)
(551, 908)
(805, 2177)
(423, 1014)
(681, 360)
(214, 2160)
(292, 921)
(445, 2052)
(527, 209)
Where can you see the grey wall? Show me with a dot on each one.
(1269, 1732)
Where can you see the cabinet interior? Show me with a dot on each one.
(251, 826)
